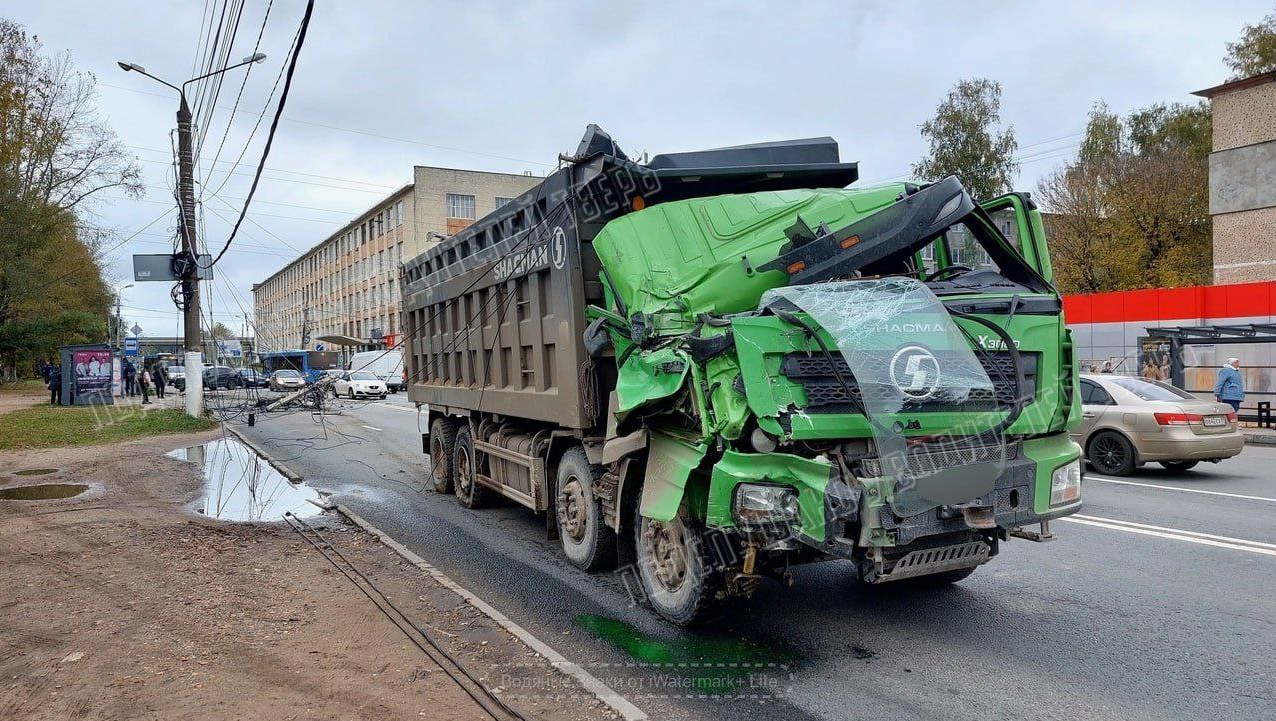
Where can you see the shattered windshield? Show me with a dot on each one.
(906, 356)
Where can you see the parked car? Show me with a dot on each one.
(359, 384)
(252, 378)
(1127, 421)
(286, 380)
(384, 364)
(177, 377)
(221, 377)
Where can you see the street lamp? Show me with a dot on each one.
(119, 319)
(193, 359)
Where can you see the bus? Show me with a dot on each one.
(309, 363)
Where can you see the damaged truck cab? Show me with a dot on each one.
(792, 371)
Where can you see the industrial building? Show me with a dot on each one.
(344, 291)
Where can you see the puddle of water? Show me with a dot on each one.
(240, 485)
(42, 492)
(35, 471)
(715, 665)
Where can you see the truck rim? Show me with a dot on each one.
(436, 454)
(571, 509)
(668, 553)
(463, 479)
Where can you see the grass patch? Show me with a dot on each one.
(26, 386)
(57, 427)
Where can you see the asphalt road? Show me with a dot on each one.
(1156, 602)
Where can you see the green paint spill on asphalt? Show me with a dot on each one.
(702, 664)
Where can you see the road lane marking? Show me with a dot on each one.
(371, 428)
(393, 408)
(1101, 479)
(1262, 544)
(1175, 534)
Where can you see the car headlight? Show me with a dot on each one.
(756, 506)
(1065, 484)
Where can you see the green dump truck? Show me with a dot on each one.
(710, 367)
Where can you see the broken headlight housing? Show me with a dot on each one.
(758, 507)
(1065, 484)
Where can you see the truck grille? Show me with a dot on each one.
(825, 394)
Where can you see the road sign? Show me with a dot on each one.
(230, 349)
(130, 346)
(160, 267)
(136, 329)
(318, 346)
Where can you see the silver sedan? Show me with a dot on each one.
(1128, 421)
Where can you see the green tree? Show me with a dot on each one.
(1132, 210)
(1255, 52)
(965, 141)
(56, 157)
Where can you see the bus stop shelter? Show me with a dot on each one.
(1196, 353)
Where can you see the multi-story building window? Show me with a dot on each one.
(502, 202)
(460, 206)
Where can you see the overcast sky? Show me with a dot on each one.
(381, 86)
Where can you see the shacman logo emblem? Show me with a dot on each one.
(915, 372)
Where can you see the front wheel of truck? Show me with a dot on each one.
(678, 579)
(587, 541)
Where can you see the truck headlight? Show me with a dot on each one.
(757, 506)
(1065, 484)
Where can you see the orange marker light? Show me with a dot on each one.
(853, 240)
(638, 203)
(795, 267)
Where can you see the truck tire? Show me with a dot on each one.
(677, 576)
(587, 541)
(464, 468)
(442, 441)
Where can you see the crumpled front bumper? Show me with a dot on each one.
(832, 510)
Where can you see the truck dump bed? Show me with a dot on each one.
(494, 316)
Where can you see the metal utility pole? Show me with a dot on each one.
(187, 262)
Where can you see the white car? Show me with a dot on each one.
(285, 380)
(359, 384)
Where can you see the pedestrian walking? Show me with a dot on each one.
(161, 380)
(145, 382)
(1230, 387)
(55, 385)
(130, 378)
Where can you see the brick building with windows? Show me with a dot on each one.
(347, 284)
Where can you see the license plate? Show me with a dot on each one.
(1215, 421)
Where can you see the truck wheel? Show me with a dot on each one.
(679, 581)
(587, 541)
(1109, 452)
(442, 441)
(465, 466)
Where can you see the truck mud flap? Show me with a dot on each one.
(926, 561)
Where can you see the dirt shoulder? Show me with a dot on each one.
(123, 603)
(21, 395)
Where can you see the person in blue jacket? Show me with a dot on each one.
(1229, 388)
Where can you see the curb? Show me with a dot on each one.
(1260, 439)
(593, 684)
(617, 703)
